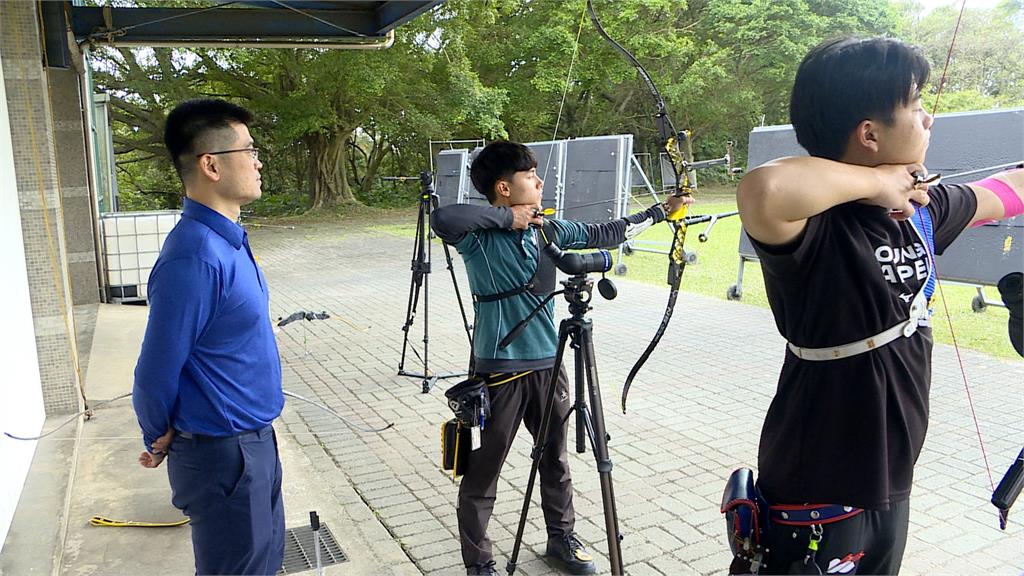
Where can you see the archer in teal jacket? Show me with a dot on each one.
(499, 245)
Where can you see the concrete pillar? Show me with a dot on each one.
(55, 229)
(69, 141)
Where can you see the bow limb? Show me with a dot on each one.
(675, 274)
(677, 259)
(680, 153)
(665, 128)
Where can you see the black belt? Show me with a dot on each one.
(251, 434)
(807, 514)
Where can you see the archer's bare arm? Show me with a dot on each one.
(990, 206)
(776, 199)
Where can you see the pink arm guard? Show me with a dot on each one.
(1012, 204)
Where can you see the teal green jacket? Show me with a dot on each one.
(499, 259)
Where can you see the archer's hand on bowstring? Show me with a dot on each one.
(899, 190)
(523, 215)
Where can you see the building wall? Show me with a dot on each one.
(49, 223)
(69, 147)
(21, 397)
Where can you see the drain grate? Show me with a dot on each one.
(300, 555)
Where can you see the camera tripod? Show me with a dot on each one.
(589, 421)
(420, 281)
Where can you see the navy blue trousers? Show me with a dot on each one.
(230, 488)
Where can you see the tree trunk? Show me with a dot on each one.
(328, 169)
(300, 170)
(377, 154)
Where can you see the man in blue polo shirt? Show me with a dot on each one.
(208, 380)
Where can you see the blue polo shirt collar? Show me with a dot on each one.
(231, 231)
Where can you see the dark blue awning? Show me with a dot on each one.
(253, 23)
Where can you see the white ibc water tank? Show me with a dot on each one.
(131, 243)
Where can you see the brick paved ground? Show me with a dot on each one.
(695, 414)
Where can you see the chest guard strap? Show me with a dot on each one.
(919, 313)
(503, 295)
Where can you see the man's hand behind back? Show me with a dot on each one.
(160, 447)
(150, 460)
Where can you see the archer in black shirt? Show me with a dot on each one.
(844, 263)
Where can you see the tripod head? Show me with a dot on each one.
(428, 197)
(578, 291)
(426, 180)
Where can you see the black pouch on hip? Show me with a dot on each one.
(745, 519)
(460, 435)
(470, 402)
(455, 447)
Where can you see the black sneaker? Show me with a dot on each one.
(485, 569)
(573, 556)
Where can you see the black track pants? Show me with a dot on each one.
(871, 542)
(521, 400)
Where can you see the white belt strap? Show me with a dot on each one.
(918, 317)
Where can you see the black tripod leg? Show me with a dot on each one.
(414, 286)
(427, 383)
(599, 440)
(580, 405)
(434, 200)
(540, 443)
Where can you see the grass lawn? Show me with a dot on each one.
(718, 261)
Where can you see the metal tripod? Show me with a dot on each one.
(579, 330)
(420, 281)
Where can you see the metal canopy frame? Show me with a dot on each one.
(350, 24)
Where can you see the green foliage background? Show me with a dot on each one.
(331, 123)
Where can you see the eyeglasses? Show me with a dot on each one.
(254, 152)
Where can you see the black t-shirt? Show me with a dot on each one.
(849, 431)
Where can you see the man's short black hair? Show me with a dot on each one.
(200, 126)
(499, 161)
(844, 81)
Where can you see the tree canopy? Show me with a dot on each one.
(332, 122)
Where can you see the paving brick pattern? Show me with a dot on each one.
(694, 416)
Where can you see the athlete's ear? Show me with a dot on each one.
(865, 135)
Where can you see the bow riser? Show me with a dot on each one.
(679, 149)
